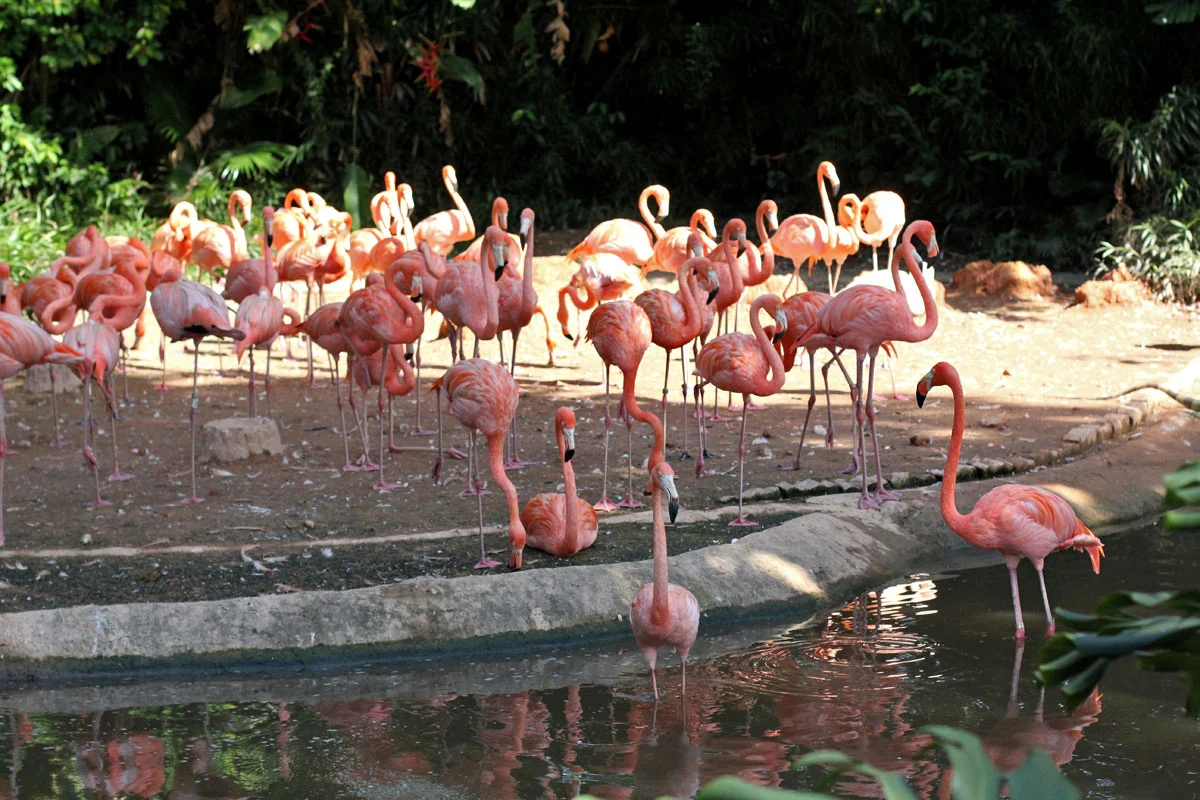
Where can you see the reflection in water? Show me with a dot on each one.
(863, 680)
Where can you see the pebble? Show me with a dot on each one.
(920, 440)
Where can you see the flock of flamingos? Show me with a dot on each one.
(406, 272)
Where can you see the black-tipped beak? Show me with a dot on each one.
(524, 237)
(408, 357)
(499, 271)
(659, 217)
(570, 337)
(673, 508)
(920, 398)
(778, 335)
(416, 298)
(712, 294)
(570, 453)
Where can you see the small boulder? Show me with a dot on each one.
(37, 379)
(1007, 279)
(239, 438)
(1117, 288)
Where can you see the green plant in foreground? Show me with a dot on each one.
(1183, 489)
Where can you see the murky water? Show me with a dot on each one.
(864, 679)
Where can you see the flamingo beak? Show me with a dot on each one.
(668, 484)
(932, 249)
(526, 224)
(780, 325)
(504, 221)
(778, 335)
(569, 435)
(500, 257)
(923, 388)
(570, 336)
(3, 290)
(773, 221)
(712, 293)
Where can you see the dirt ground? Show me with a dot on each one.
(1031, 370)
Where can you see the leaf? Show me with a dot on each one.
(1039, 779)
(237, 98)
(1181, 520)
(265, 31)
(731, 788)
(463, 3)
(253, 159)
(893, 783)
(356, 193)
(974, 774)
(1185, 475)
(457, 68)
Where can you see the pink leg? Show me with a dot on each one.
(194, 498)
(253, 403)
(605, 504)
(741, 521)
(58, 440)
(812, 401)
(1011, 562)
(267, 382)
(3, 456)
(684, 455)
(881, 494)
(417, 429)
(630, 501)
(1045, 600)
(381, 485)
(484, 561)
(651, 654)
(337, 387)
(364, 461)
(117, 474)
(866, 501)
(162, 356)
(89, 436)
(853, 467)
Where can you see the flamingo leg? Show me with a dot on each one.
(881, 494)
(666, 381)
(382, 485)
(3, 456)
(484, 561)
(162, 357)
(605, 504)
(1045, 600)
(630, 501)
(337, 388)
(57, 441)
(698, 394)
(124, 372)
(267, 381)
(684, 455)
(418, 430)
(89, 436)
(812, 401)
(853, 467)
(308, 339)
(364, 462)
(391, 425)
(875, 258)
(740, 521)
(195, 402)
(651, 654)
(437, 461)
(475, 486)
(516, 462)
(866, 501)
(1011, 562)
(116, 475)
(253, 405)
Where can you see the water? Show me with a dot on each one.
(864, 679)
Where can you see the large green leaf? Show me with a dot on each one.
(1039, 779)
(731, 788)
(237, 98)
(264, 31)
(893, 783)
(974, 774)
(356, 193)
(457, 68)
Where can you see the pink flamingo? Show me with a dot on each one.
(861, 319)
(261, 318)
(10, 302)
(630, 241)
(421, 261)
(803, 237)
(732, 284)
(247, 276)
(467, 294)
(483, 397)
(621, 333)
(49, 297)
(294, 221)
(1013, 520)
(321, 326)
(23, 345)
(188, 310)
(220, 246)
(175, 235)
(500, 220)
(663, 614)
(384, 315)
(399, 380)
(880, 219)
(561, 524)
(739, 362)
(100, 346)
(116, 299)
(86, 252)
(672, 248)
(603, 277)
(675, 319)
(364, 240)
(443, 229)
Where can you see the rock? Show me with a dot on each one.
(1135, 414)
(1117, 288)
(991, 422)
(37, 379)
(762, 451)
(1085, 435)
(1022, 464)
(800, 489)
(1120, 423)
(1007, 279)
(754, 494)
(900, 480)
(920, 440)
(966, 472)
(239, 438)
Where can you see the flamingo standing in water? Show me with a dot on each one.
(189, 310)
(804, 237)
(383, 315)
(1014, 520)
(630, 241)
(483, 397)
(861, 319)
(663, 614)
(23, 345)
(739, 362)
(561, 524)
(675, 319)
(445, 228)
(100, 346)
(621, 333)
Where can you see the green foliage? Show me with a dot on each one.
(1164, 642)
(1163, 252)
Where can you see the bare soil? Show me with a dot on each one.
(1031, 370)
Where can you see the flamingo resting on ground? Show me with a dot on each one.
(445, 228)
(483, 397)
(621, 333)
(23, 345)
(188, 310)
(561, 524)
(1014, 520)
(100, 346)
(663, 614)
(748, 365)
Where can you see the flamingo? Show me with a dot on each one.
(23, 345)
(500, 220)
(483, 397)
(363, 240)
(261, 317)
(861, 319)
(739, 362)
(49, 298)
(10, 302)
(467, 294)
(383, 315)
(399, 380)
(175, 235)
(621, 333)
(85, 253)
(672, 248)
(337, 261)
(663, 614)
(443, 229)
(299, 260)
(803, 237)
(1014, 520)
(220, 246)
(247, 276)
(292, 223)
(421, 261)
(880, 219)
(189, 310)
(100, 346)
(732, 284)
(116, 299)
(675, 319)
(603, 277)
(561, 524)
(630, 241)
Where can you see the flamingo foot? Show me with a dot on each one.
(190, 501)
(486, 563)
(829, 438)
(631, 502)
(352, 468)
(384, 486)
(752, 406)
(58, 441)
(119, 476)
(886, 494)
(517, 464)
(897, 396)
(1019, 635)
(792, 467)
(868, 502)
(365, 464)
(742, 522)
(472, 491)
(716, 417)
(98, 503)
(421, 432)
(685, 456)
(852, 469)
(1049, 630)
(454, 452)
(605, 504)
(162, 387)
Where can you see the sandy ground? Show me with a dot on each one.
(1031, 371)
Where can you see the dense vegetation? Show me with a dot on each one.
(1012, 128)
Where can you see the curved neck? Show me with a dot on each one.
(461, 205)
(491, 294)
(644, 208)
(775, 382)
(529, 297)
(516, 531)
(830, 222)
(629, 397)
(397, 365)
(735, 269)
(660, 607)
(692, 318)
(959, 523)
(432, 265)
(926, 328)
(768, 250)
(414, 321)
(270, 276)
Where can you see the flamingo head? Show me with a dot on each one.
(781, 324)
(734, 230)
(450, 177)
(830, 171)
(564, 419)
(770, 209)
(663, 197)
(695, 245)
(268, 221)
(526, 224)
(941, 375)
(664, 477)
(500, 212)
(923, 229)
(4, 276)
(416, 287)
(499, 242)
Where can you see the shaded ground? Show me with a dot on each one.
(1030, 371)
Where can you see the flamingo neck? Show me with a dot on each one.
(768, 250)
(634, 410)
(414, 321)
(516, 531)
(644, 209)
(774, 383)
(830, 222)
(959, 523)
(692, 318)
(926, 328)
(490, 313)
(570, 497)
(461, 205)
(529, 297)
(270, 276)
(660, 607)
(735, 270)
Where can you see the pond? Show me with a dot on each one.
(863, 678)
